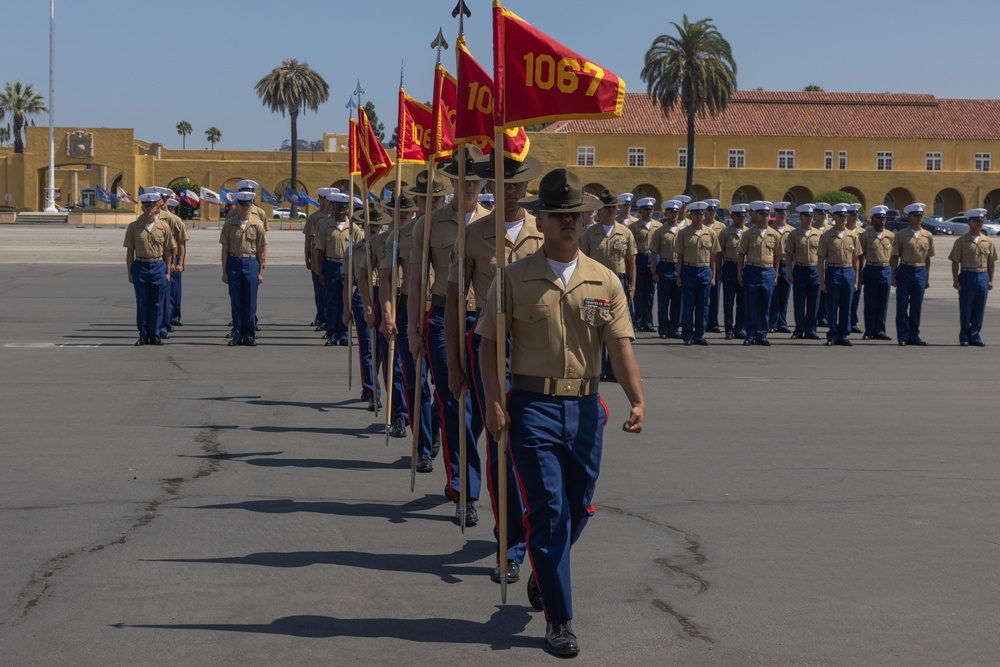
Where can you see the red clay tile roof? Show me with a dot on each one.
(801, 114)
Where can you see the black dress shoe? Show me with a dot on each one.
(796, 336)
(257, 328)
(425, 464)
(783, 330)
(763, 341)
(342, 343)
(329, 343)
(165, 334)
(229, 335)
(902, 343)
(560, 640)
(844, 342)
(701, 341)
(977, 343)
(881, 336)
(963, 343)
(748, 341)
(513, 573)
(663, 335)
(176, 324)
(534, 594)
(729, 336)
(689, 342)
(739, 335)
(371, 405)
(232, 343)
(917, 341)
(855, 330)
(471, 515)
(812, 337)
(140, 342)
(320, 328)
(252, 342)
(155, 341)
(829, 343)
(398, 428)
(822, 323)
(715, 330)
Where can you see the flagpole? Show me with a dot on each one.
(367, 237)
(350, 259)
(391, 368)
(460, 309)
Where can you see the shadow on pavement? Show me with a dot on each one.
(393, 513)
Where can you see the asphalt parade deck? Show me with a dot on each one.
(202, 505)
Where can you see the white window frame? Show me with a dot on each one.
(828, 160)
(586, 156)
(933, 161)
(88, 197)
(737, 158)
(883, 161)
(983, 162)
(682, 157)
(842, 160)
(636, 156)
(786, 159)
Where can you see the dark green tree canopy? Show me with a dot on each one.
(20, 102)
(837, 197)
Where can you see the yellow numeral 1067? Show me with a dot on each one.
(544, 72)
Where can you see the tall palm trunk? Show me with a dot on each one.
(294, 215)
(690, 155)
(18, 126)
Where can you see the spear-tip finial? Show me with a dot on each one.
(461, 12)
(439, 42)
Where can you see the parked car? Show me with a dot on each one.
(71, 207)
(990, 227)
(941, 227)
(286, 213)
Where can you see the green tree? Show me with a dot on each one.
(813, 88)
(21, 103)
(293, 88)
(837, 197)
(4, 135)
(184, 128)
(213, 135)
(694, 68)
(373, 119)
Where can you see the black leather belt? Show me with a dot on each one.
(574, 387)
(240, 256)
(150, 260)
(759, 266)
(974, 270)
(877, 265)
(840, 266)
(912, 264)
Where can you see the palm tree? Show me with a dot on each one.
(695, 68)
(21, 102)
(184, 128)
(4, 135)
(293, 87)
(214, 136)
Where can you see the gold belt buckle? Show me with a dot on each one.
(568, 386)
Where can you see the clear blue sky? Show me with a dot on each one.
(147, 65)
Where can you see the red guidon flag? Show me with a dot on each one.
(353, 163)
(375, 161)
(443, 112)
(474, 117)
(540, 80)
(413, 134)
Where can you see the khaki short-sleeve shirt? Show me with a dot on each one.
(729, 242)
(783, 234)
(972, 255)
(697, 249)
(177, 228)
(480, 253)
(803, 247)
(255, 212)
(152, 243)
(760, 248)
(913, 249)
(643, 236)
(444, 236)
(557, 332)
(403, 257)
(312, 224)
(611, 250)
(874, 249)
(333, 241)
(662, 243)
(838, 251)
(243, 241)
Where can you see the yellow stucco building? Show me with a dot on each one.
(884, 148)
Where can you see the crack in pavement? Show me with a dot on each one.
(691, 627)
(37, 588)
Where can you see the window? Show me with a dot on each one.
(88, 167)
(828, 160)
(786, 159)
(883, 161)
(933, 162)
(682, 157)
(88, 198)
(737, 158)
(982, 162)
(637, 157)
(842, 159)
(585, 156)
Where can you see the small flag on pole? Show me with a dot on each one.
(210, 196)
(269, 198)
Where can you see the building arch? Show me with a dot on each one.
(745, 194)
(798, 195)
(990, 202)
(700, 192)
(948, 202)
(898, 198)
(851, 190)
(594, 188)
(647, 190)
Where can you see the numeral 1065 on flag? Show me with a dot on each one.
(544, 72)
